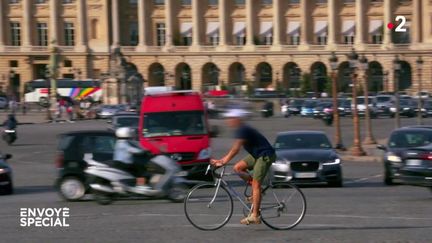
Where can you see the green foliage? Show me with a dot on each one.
(328, 86)
(306, 83)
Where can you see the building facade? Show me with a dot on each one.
(207, 44)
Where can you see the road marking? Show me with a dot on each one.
(363, 179)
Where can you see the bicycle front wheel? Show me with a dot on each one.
(283, 206)
(208, 207)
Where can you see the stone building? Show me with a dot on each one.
(202, 44)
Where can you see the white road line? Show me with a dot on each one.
(363, 179)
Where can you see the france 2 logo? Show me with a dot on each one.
(400, 25)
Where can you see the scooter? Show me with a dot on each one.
(285, 111)
(107, 182)
(9, 136)
(327, 118)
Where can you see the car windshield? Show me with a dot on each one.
(309, 104)
(128, 121)
(361, 100)
(383, 99)
(404, 102)
(186, 123)
(409, 139)
(296, 102)
(302, 141)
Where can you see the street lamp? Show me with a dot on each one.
(419, 63)
(369, 139)
(396, 68)
(334, 67)
(356, 149)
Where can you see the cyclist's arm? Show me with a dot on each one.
(233, 151)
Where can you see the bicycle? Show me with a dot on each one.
(209, 206)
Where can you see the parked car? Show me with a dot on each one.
(108, 111)
(407, 107)
(384, 102)
(402, 140)
(294, 106)
(361, 106)
(422, 94)
(307, 108)
(71, 180)
(6, 184)
(124, 119)
(344, 107)
(322, 108)
(3, 102)
(427, 106)
(306, 157)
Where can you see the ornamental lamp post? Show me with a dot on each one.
(334, 67)
(419, 63)
(356, 149)
(396, 68)
(368, 123)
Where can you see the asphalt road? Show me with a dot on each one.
(364, 210)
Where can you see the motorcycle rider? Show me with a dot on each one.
(124, 151)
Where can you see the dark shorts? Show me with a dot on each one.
(260, 166)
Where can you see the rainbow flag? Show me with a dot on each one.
(79, 93)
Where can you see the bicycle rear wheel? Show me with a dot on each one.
(283, 206)
(208, 207)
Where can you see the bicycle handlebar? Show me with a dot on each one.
(213, 169)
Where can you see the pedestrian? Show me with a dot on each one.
(69, 111)
(24, 108)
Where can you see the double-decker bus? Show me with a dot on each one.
(37, 91)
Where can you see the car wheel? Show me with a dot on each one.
(103, 198)
(71, 189)
(7, 190)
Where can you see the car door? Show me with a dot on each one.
(101, 146)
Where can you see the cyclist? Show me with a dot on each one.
(261, 156)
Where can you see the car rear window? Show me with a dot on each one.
(65, 142)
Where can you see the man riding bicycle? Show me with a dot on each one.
(261, 156)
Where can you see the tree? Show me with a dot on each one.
(306, 83)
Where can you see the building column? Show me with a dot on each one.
(53, 7)
(2, 27)
(331, 41)
(27, 24)
(82, 23)
(222, 23)
(388, 18)
(277, 8)
(360, 24)
(417, 23)
(305, 25)
(250, 23)
(142, 24)
(168, 24)
(196, 30)
(115, 23)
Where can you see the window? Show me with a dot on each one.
(160, 34)
(68, 1)
(266, 2)
(377, 39)
(42, 34)
(349, 39)
(322, 40)
(240, 2)
(159, 2)
(133, 33)
(15, 29)
(213, 2)
(186, 2)
(293, 1)
(13, 63)
(69, 34)
(40, 1)
(133, 2)
(214, 40)
(14, 1)
(268, 40)
(187, 40)
(402, 37)
(67, 63)
(240, 40)
(348, 1)
(294, 40)
(321, 1)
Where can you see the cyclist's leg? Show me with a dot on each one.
(243, 166)
(260, 171)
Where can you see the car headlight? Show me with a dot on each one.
(333, 162)
(393, 158)
(205, 153)
(4, 170)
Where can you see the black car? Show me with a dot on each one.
(306, 157)
(344, 107)
(407, 107)
(416, 166)
(6, 185)
(294, 106)
(71, 182)
(427, 106)
(402, 140)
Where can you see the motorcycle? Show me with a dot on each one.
(9, 136)
(267, 110)
(107, 182)
(327, 118)
(285, 111)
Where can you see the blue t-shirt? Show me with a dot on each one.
(254, 142)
